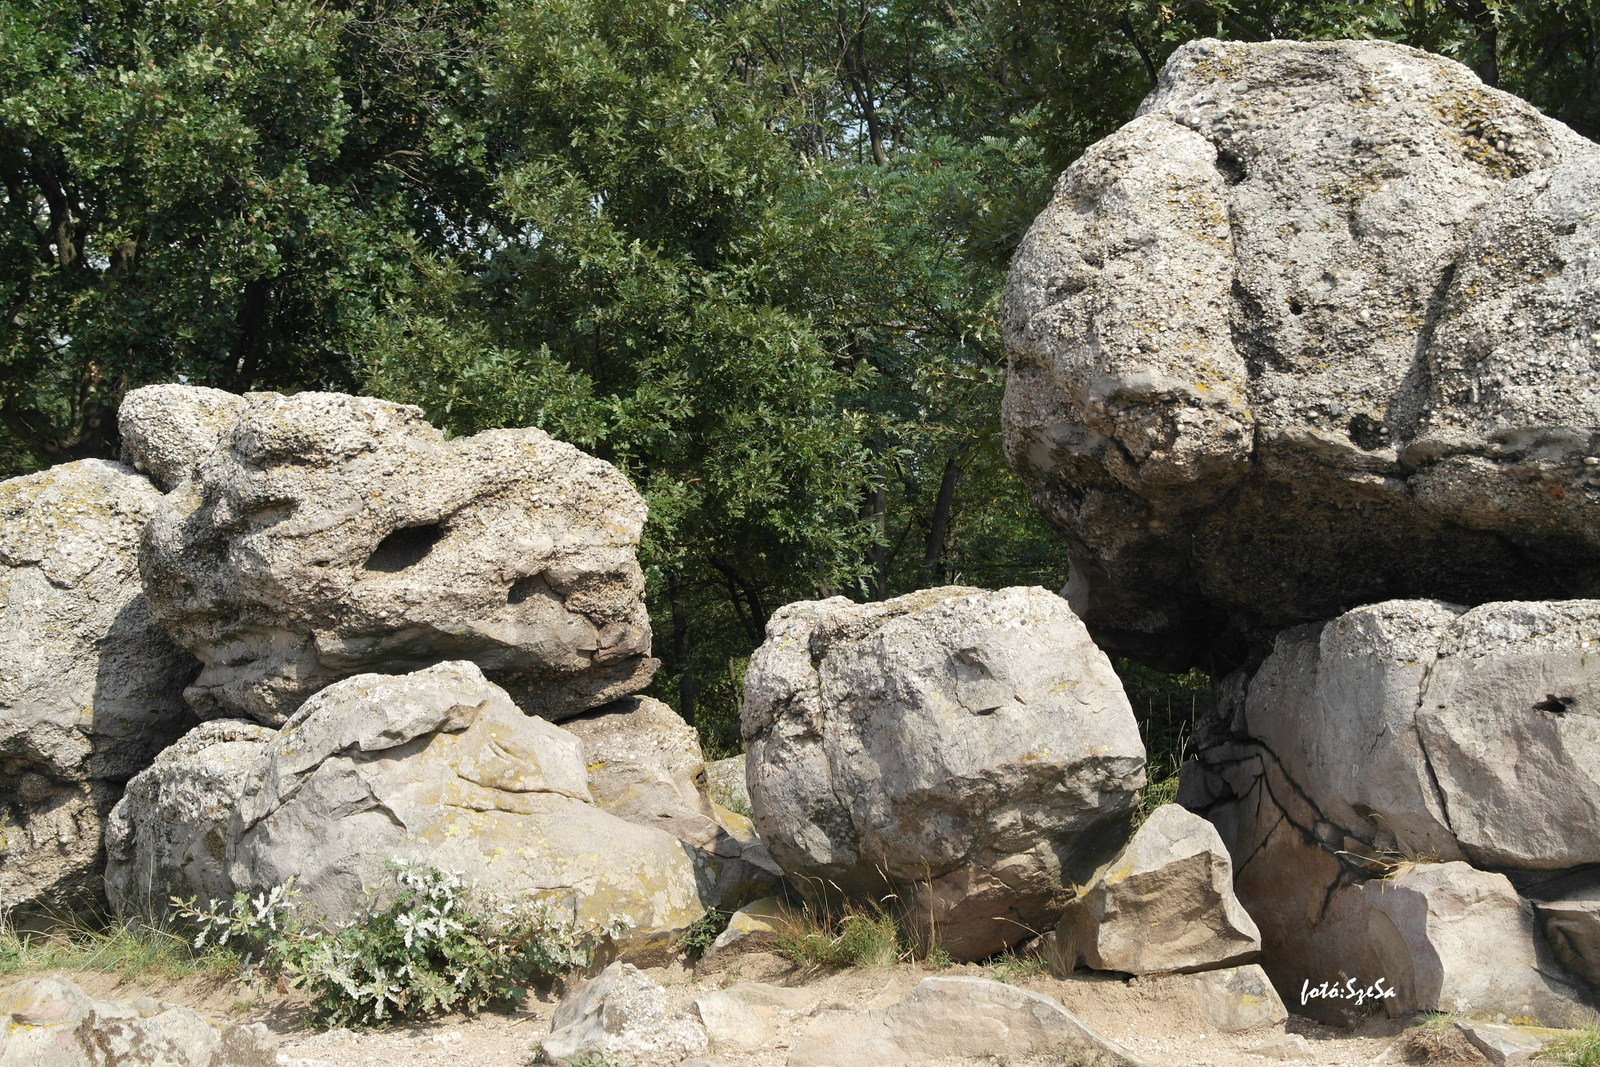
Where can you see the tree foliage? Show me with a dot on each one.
(748, 250)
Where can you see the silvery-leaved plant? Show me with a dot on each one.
(439, 946)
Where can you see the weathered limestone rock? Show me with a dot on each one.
(89, 688)
(1417, 728)
(1453, 939)
(1165, 903)
(645, 766)
(1507, 1046)
(973, 749)
(947, 1018)
(50, 1022)
(730, 1023)
(725, 780)
(167, 430)
(1568, 908)
(439, 767)
(757, 927)
(1314, 330)
(330, 535)
(168, 836)
(621, 1015)
(1235, 999)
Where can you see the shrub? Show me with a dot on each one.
(703, 932)
(437, 948)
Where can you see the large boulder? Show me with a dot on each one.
(1164, 904)
(1454, 939)
(90, 690)
(1420, 729)
(972, 751)
(440, 768)
(50, 1022)
(645, 766)
(1313, 330)
(168, 836)
(329, 535)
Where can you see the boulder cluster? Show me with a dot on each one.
(1303, 367)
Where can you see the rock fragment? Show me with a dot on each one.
(1164, 904)
(623, 1016)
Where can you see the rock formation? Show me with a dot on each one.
(89, 689)
(438, 767)
(1316, 329)
(972, 751)
(50, 1022)
(1398, 733)
(620, 1015)
(329, 535)
(1164, 904)
(168, 430)
(645, 766)
(169, 834)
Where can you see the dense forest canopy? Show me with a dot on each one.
(748, 250)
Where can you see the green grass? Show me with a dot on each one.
(128, 951)
(1581, 1049)
(856, 937)
(1010, 966)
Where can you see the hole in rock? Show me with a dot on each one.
(1554, 704)
(1295, 307)
(1231, 166)
(404, 548)
(1368, 433)
(524, 588)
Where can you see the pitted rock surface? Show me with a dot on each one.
(440, 768)
(1318, 328)
(330, 535)
(972, 751)
(90, 690)
(168, 835)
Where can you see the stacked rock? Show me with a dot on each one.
(1316, 330)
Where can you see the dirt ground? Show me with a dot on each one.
(1142, 1015)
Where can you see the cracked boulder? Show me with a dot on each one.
(1164, 904)
(328, 535)
(971, 751)
(90, 689)
(440, 768)
(1316, 329)
(645, 766)
(1398, 733)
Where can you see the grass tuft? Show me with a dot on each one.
(858, 936)
(127, 950)
(1580, 1049)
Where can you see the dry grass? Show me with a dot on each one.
(127, 950)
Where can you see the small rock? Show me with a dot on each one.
(783, 998)
(623, 1015)
(725, 778)
(756, 927)
(1506, 1046)
(732, 1023)
(1164, 904)
(1238, 998)
(1288, 1047)
(948, 1018)
(50, 1022)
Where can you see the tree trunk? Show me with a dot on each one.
(872, 508)
(934, 559)
(680, 648)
